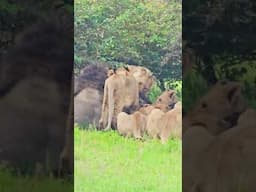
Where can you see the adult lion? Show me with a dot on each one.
(35, 87)
(67, 156)
(120, 94)
(144, 78)
(89, 88)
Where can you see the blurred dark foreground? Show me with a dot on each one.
(36, 102)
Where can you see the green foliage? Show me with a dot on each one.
(194, 86)
(250, 93)
(146, 33)
(106, 161)
(154, 92)
(175, 85)
(243, 72)
(16, 15)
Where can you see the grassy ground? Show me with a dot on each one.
(10, 183)
(107, 162)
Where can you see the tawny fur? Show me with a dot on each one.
(153, 123)
(225, 162)
(218, 154)
(131, 125)
(120, 91)
(167, 98)
(171, 124)
(224, 101)
(35, 95)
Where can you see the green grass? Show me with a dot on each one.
(10, 183)
(107, 162)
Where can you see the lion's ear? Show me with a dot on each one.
(126, 68)
(143, 71)
(171, 94)
(233, 93)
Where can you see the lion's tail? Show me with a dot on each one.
(111, 106)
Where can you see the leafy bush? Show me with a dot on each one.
(146, 33)
(154, 92)
(194, 86)
(168, 84)
(249, 91)
(174, 85)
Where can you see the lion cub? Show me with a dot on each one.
(224, 102)
(167, 98)
(154, 122)
(131, 125)
(171, 123)
(164, 102)
(147, 108)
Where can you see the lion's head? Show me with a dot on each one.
(167, 98)
(143, 76)
(224, 103)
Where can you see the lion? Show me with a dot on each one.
(120, 93)
(165, 102)
(171, 123)
(153, 123)
(194, 142)
(167, 98)
(89, 88)
(247, 117)
(216, 160)
(224, 101)
(225, 162)
(143, 76)
(67, 155)
(147, 108)
(131, 125)
(34, 96)
(120, 71)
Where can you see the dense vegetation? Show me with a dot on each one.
(222, 35)
(16, 15)
(106, 161)
(146, 33)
